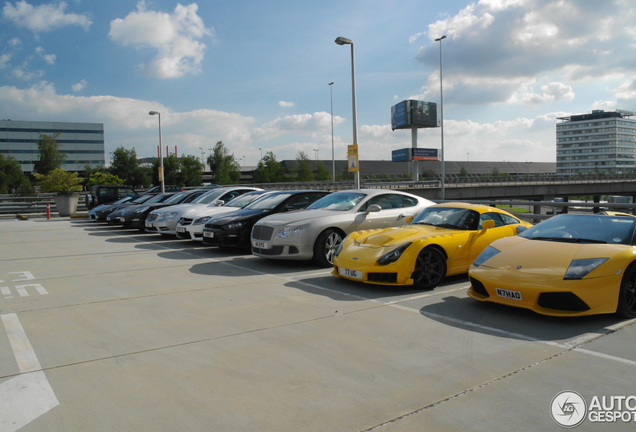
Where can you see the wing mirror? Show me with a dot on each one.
(373, 208)
(521, 228)
(487, 224)
(218, 203)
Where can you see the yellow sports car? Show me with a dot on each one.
(567, 265)
(443, 240)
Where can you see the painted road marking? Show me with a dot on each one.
(28, 395)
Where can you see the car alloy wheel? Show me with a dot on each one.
(430, 269)
(325, 247)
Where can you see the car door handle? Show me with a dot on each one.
(402, 216)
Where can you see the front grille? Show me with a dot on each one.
(185, 221)
(151, 217)
(478, 287)
(276, 250)
(382, 277)
(565, 301)
(262, 232)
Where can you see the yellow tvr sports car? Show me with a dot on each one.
(443, 240)
(568, 265)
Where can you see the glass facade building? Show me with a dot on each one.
(83, 143)
(602, 141)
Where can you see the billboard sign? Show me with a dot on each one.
(401, 155)
(424, 154)
(411, 113)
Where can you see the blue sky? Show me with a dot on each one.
(255, 74)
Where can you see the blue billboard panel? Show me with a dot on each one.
(401, 155)
(424, 154)
(399, 116)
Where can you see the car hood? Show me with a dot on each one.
(301, 216)
(550, 258)
(239, 215)
(392, 236)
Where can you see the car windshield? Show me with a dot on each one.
(447, 217)
(338, 201)
(123, 200)
(159, 198)
(209, 197)
(584, 229)
(177, 197)
(142, 199)
(243, 200)
(269, 202)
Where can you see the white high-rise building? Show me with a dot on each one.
(83, 143)
(602, 141)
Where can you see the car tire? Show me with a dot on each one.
(430, 269)
(325, 247)
(627, 295)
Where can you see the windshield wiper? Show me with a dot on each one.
(445, 225)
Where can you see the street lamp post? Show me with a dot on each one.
(316, 154)
(344, 41)
(333, 155)
(441, 114)
(261, 150)
(161, 180)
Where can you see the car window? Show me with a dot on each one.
(490, 216)
(125, 192)
(448, 217)
(390, 201)
(508, 220)
(243, 200)
(176, 198)
(338, 201)
(302, 201)
(269, 202)
(209, 197)
(228, 196)
(142, 199)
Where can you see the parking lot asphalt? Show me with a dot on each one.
(105, 329)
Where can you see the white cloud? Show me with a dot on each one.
(78, 87)
(310, 124)
(24, 75)
(174, 37)
(285, 104)
(4, 60)
(15, 42)
(49, 58)
(43, 18)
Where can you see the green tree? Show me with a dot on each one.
(103, 178)
(60, 181)
(304, 172)
(12, 179)
(50, 155)
(191, 171)
(322, 173)
(269, 170)
(125, 165)
(225, 169)
(463, 172)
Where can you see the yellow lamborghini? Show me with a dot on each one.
(567, 265)
(443, 240)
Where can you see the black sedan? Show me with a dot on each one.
(102, 213)
(233, 229)
(115, 217)
(135, 216)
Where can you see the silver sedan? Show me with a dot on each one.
(316, 233)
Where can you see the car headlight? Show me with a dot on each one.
(286, 232)
(487, 253)
(168, 215)
(235, 225)
(394, 255)
(201, 220)
(582, 267)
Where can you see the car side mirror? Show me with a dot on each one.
(218, 203)
(487, 224)
(373, 208)
(521, 228)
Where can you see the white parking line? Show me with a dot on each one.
(28, 395)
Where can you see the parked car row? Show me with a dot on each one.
(568, 265)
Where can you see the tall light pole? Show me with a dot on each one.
(441, 114)
(316, 154)
(333, 155)
(261, 150)
(344, 41)
(161, 181)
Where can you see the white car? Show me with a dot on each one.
(164, 221)
(316, 232)
(190, 227)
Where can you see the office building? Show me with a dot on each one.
(83, 143)
(599, 142)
